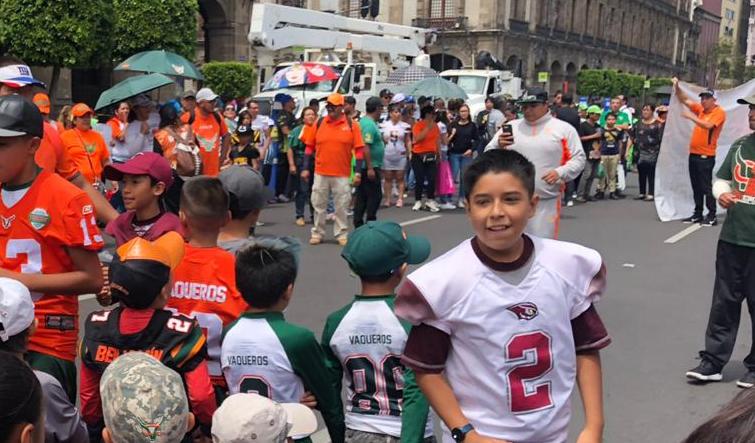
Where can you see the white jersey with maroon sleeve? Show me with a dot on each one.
(512, 359)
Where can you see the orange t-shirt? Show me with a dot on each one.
(204, 286)
(705, 141)
(53, 215)
(116, 127)
(427, 145)
(209, 134)
(88, 152)
(334, 144)
(52, 157)
(168, 144)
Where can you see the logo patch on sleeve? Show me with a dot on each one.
(523, 311)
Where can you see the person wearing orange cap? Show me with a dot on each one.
(42, 101)
(332, 141)
(140, 277)
(85, 146)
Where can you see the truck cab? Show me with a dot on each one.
(481, 83)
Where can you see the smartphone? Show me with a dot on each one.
(507, 131)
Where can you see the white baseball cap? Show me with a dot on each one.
(245, 418)
(206, 94)
(398, 98)
(16, 308)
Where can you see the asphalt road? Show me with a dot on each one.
(655, 308)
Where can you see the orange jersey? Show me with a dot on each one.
(52, 157)
(51, 216)
(204, 286)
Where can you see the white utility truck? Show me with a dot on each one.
(362, 52)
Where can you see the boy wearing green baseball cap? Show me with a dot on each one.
(363, 341)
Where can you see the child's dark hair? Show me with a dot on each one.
(263, 274)
(21, 394)
(205, 199)
(16, 343)
(611, 114)
(733, 423)
(500, 160)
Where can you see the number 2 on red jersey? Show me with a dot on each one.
(525, 393)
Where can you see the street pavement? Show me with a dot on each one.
(655, 307)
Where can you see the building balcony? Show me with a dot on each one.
(441, 23)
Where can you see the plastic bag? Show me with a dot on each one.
(621, 179)
(445, 183)
(601, 173)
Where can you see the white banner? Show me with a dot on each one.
(673, 191)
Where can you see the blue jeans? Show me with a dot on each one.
(458, 164)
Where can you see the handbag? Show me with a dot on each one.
(445, 181)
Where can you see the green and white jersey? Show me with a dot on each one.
(364, 341)
(264, 354)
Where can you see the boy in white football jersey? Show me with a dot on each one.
(364, 340)
(263, 353)
(505, 322)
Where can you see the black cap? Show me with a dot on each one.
(138, 282)
(708, 93)
(386, 93)
(19, 116)
(534, 95)
(244, 130)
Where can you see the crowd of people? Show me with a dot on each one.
(193, 342)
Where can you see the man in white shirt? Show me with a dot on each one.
(555, 149)
(261, 123)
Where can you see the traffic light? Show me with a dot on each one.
(365, 8)
(375, 8)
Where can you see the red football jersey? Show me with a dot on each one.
(204, 286)
(53, 215)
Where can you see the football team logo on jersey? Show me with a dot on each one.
(523, 311)
(7, 221)
(39, 218)
(744, 176)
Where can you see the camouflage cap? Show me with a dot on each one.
(143, 400)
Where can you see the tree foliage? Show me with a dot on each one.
(229, 79)
(610, 83)
(142, 25)
(67, 33)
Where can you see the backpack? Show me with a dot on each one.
(319, 122)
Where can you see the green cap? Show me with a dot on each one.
(380, 247)
(594, 109)
(582, 106)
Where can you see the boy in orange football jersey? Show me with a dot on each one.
(48, 240)
(204, 283)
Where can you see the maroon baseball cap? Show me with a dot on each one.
(144, 163)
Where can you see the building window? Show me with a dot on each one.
(351, 8)
(729, 14)
(441, 9)
(294, 3)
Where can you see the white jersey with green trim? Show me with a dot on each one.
(367, 339)
(254, 360)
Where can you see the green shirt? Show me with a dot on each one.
(374, 139)
(739, 169)
(294, 140)
(621, 119)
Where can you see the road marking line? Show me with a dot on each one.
(419, 220)
(87, 297)
(675, 238)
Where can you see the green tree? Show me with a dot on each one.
(56, 33)
(142, 25)
(591, 82)
(229, 79)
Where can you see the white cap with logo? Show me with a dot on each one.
(244, 418)
(16, 308)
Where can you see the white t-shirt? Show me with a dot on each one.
(443, 131)
(395, 135)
